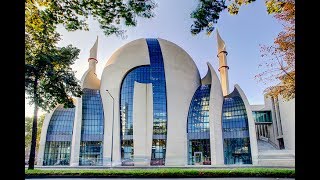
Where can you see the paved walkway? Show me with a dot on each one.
(265, 146)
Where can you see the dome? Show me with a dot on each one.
(136, 53)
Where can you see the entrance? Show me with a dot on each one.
(198, 158)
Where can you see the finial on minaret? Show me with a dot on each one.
(223, 67)
(93, 56)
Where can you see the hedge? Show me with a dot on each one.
(168, 172)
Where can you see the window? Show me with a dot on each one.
(153, 73)
(198, 131)
(262, 116)
(92, 128)
(59, 136)
(236, 139)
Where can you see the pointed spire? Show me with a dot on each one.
(221, 44)
(94, 50)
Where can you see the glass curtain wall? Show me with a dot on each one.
(198, 131)
(59, 136)
(92, 129)
(235, 129)
(153, 73)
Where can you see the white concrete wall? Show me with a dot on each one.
(76, 134)
(182, 80)
(43, 136)
(129, 56)
(89, 79)
(215, 118)
(252, 129)
(287, 114)
(143, 123)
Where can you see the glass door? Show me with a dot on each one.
(198, 158)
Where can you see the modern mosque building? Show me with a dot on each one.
(152, 108)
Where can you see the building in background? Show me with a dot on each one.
(151, 108)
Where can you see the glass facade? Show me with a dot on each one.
(59, 136)
(155, 74)
(198, 131)
(235, 130)
(262, 116)
(92, 129)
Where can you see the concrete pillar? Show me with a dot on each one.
(215, 118)
(76, 135)
(142, 123)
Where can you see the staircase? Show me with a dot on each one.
(268, 155)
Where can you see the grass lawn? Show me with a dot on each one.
(170, 172)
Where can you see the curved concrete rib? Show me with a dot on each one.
(76, 134)
(207, 79)
(215, 114)
(252, 130)
(127, 57)
(89, 80)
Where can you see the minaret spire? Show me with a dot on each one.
(93, 56)
(223, 66)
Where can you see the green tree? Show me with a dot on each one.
(207, 13)
(278, 59)
(49, 79)
(112, 15)
(28, 132)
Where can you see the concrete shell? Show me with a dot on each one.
(182, 80)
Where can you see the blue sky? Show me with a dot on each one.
(242, 33)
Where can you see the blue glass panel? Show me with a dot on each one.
(59, 136)
(198, 129)
(92, 128)
(236, 139)
(155, 74)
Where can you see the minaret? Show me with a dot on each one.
(223, 67)
(93, 57)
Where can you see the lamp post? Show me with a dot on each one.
(112, 126)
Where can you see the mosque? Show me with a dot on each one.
(151, 108)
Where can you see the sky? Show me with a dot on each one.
(242, 33)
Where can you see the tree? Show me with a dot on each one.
(49, 79)
(207, 13)
(279, 58)
(28, 132)
(111, 14)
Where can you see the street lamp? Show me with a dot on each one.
(112, 126)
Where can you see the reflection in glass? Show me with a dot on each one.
(153, 73)
(59, 136)
(236, 140)
(92, 129)
(198, 131)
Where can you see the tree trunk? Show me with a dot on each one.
(34, 129)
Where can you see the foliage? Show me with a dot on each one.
(167, 172)
(206, 15)
(28, 130)
(208, 12)
(279, 58)
(111, 14)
